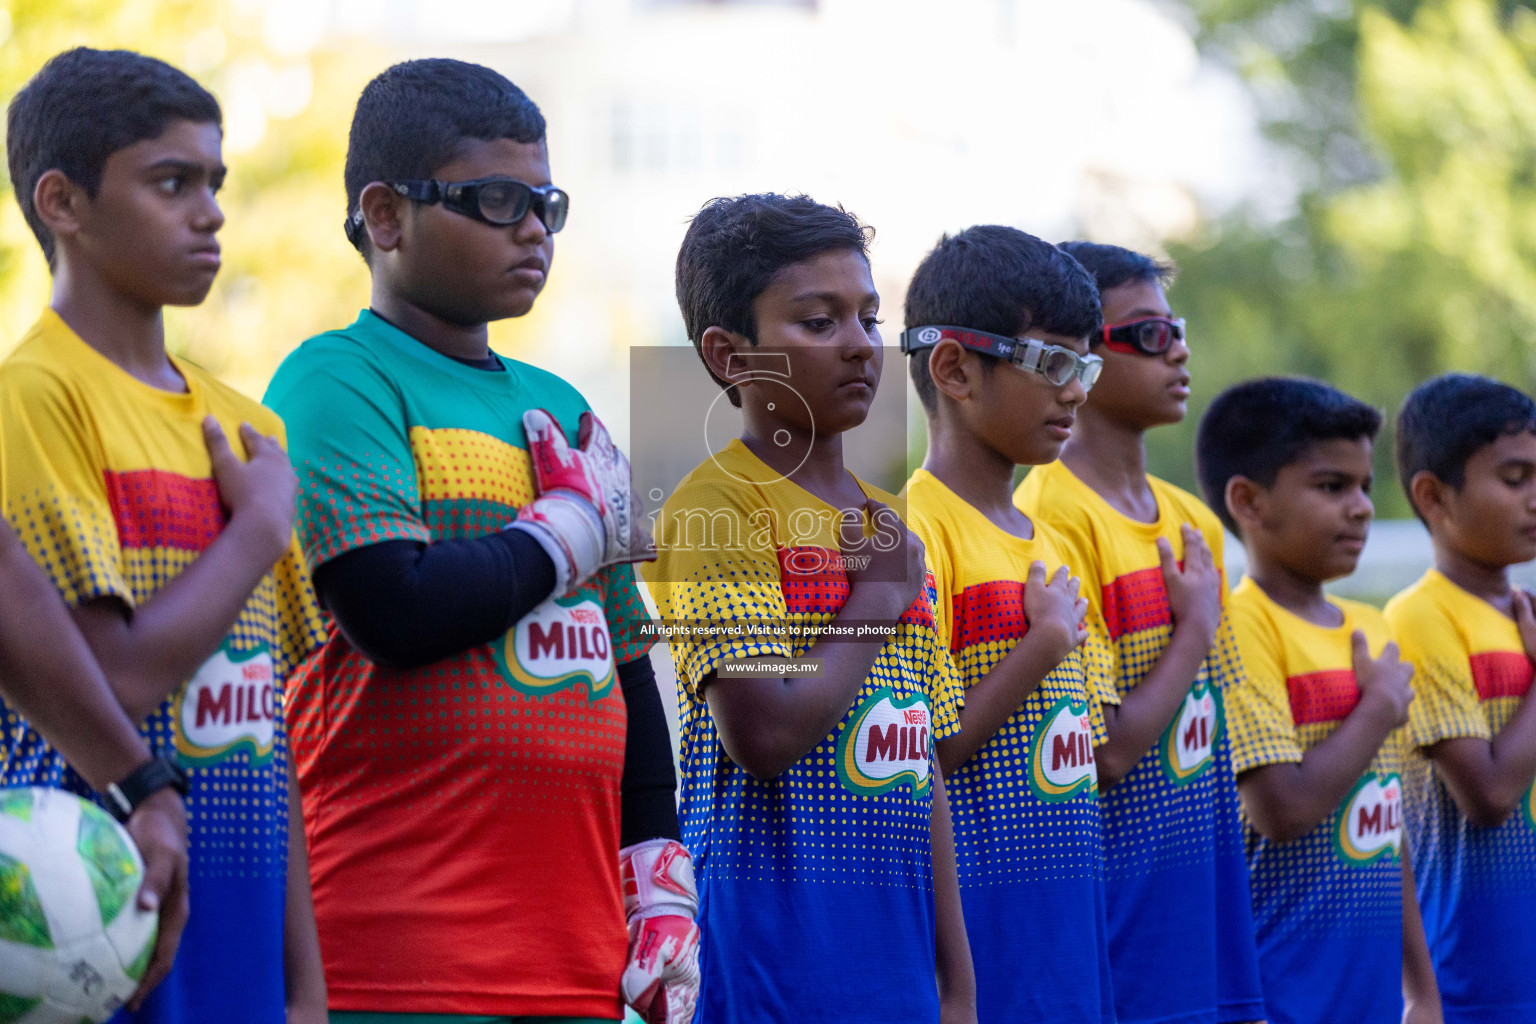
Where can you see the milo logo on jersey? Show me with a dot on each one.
(886, 744)
(1190, 741)
(1528, 805)
(1061, 754)
(1370, 823)
(231, 704)
(563, 642)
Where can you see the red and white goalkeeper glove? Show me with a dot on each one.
(586, 514)
(661, 977)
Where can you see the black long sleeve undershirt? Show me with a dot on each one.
(648, 797)
(442, 598)
(452, 595)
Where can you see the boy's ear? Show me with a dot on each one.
(954, 375)
(716, 346)
(1246, 502)
(381, 207)
(1427, 493)
(57, 201)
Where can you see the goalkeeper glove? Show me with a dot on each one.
(661, 976)
(586, 515)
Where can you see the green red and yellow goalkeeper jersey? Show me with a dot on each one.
(1477, 885)
(463, 818)
(1176, 884)
(1328, 907)
(1026, 805)
(108, 482)
(816, 886)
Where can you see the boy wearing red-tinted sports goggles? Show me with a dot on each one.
(1148, 335)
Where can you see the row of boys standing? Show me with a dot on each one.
(1099, 737)
(463, 781)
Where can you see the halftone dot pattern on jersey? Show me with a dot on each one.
(986, 613)
(1500, 674)
(1320, 697)
(74, 541)
(543, 753)
(627, 617)
(156, 509)
(1004, 832)
(1495, 861)
(1136, 602)
(468, 465)
(346, 505)
(1149, 821)
(1306, 887)
(804, 825)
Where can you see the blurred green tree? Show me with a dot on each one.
(288, 271)
(1409, 127)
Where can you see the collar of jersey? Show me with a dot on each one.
(374, 329)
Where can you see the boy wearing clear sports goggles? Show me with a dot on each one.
(1055, 363)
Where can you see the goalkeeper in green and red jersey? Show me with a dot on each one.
(481, 732)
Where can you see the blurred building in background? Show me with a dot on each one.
(1092, 117)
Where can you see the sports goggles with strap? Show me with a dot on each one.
(1148, 335)
(499, 201)
(1053, 362)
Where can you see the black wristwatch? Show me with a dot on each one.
(144, 781)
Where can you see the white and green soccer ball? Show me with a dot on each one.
(73, 941)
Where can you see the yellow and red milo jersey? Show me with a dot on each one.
(108, 482)
(1028, 838)
(1328, 907)
(1172, 840)
(816, 884)
(1477, 886)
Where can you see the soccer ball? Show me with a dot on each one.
(73, 941)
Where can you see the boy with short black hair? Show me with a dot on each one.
(1286, 464)
(827, 873)
(1466, 454)
(1149, 556)
(176, 557)
(998, 323)
(486, 805)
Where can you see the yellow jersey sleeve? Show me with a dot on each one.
(1445, 704)
(713, 594)
(946, 688)
(1258, 704)
(52, 477)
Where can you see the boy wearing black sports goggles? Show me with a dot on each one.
(499, 201)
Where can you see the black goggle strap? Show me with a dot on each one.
(419, 191)
(999, 345)
(1025, 353)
